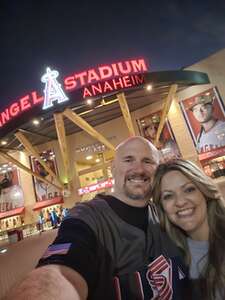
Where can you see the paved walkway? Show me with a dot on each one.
(21, 258)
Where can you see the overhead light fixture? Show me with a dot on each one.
(3, 142)
(3, 250)
(149, 87)
(89, 157)
(97, 160)
(35, 122)
(89, 101)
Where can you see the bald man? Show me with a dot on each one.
(110, 247)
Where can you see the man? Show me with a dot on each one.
(109, 247)
(212, 132)
(168, 146)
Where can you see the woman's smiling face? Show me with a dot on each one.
(184, 205)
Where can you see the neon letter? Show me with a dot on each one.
(86, 93)
(126, 81)
(139, 65)
(36, 99)
(118, 83)
(14, 109)
(105, 72)
(53, 90)
(92, 76)
(70, 83)
(24, 103)
(107, 86)
(96, 88)
(139, 79)
(81, 76)
(5, 116)
(115, 71)
(127, 70)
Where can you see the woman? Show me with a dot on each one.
(192, 212)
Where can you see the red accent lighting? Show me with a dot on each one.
(45, 203)
(11, 213)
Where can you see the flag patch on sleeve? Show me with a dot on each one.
(59, 249)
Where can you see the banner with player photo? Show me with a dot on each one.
(11, 193)
(205, 118)
(148, 127)
(45, 191)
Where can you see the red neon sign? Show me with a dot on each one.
(96, 81)
(113, 85)
(21, 105)
(105, 72)
(96, 187)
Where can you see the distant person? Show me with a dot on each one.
(44, 190)
(111, 247)
(168, 147)
(150, 130)
(212, 130)
(41, 221)
(192, 211)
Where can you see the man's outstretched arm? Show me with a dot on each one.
(49, 283)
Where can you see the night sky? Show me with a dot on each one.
(71, 36)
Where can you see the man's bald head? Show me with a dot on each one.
(134, 165)
(139, 139)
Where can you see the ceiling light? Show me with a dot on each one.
(4, 250)
(149, 87)
(36, 122)
(89, 101)
(89, 157)
(3, 142)
(97, 160)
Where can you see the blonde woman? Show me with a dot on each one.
(192, 211)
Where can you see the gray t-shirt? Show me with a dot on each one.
(199, 257)
(198, 250)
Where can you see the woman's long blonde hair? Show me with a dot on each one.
(214, 272)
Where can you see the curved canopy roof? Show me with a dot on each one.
(100, 111)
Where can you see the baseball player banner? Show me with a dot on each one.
(205, 117)
(148, 127)
(11, 193)
(44, 191)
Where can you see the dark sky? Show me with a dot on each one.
(74, 35)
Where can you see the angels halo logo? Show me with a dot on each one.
(53, 91)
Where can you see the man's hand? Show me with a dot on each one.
(49, 283)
